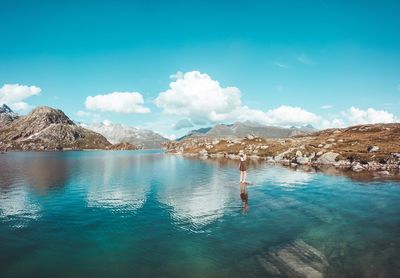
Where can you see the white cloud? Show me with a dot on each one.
(370, 116)
(197, 96)
(328, 106)
(334, 123)
(356, 116)
(281, 65)
(176, 75)
(283, 115)
(202, 99)
(14, 95)
(304, 59)
(120, 102)
(107, 122)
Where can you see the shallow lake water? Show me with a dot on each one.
(150, 214)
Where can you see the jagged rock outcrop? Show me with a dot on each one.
(46, 128)
(118, 133)
(346, 148)
(7, 115)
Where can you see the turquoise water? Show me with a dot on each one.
(149, 214)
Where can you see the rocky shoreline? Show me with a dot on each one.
(359, 148)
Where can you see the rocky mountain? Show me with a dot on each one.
(7, 115)
(242, 129)
(45, 128)
(119, 133)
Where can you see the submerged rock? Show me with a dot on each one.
(296, 259)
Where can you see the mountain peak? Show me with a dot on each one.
(46, 128)
(5, 109)
(120, 133)
(7, 115)
(50, 115)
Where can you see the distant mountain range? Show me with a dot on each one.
(7, 115)
(119, 133)
(45, 128)
(242, 129)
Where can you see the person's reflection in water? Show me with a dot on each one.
(245, 197)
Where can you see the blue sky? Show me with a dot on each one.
(328, 63)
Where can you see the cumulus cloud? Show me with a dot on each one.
(14, 95)
(203, 100)
(370, 116)
(357, 116)
(120, 102)
(283, 115)
(176, 75)
(196, 95)
(184, 123)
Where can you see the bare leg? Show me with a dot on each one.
(241, 176)
(244, 176)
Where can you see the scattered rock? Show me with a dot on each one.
(203, 152)
(327, 158)
(302, 160)
(250, 137)
(373, 149)
(357, 167)
(397, 155)
(270, 159)
(331, 140)
(383, 173)
(299, 154)
(215, 142)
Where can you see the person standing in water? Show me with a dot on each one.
(243, 167)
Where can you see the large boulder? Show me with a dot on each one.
(327, 158)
